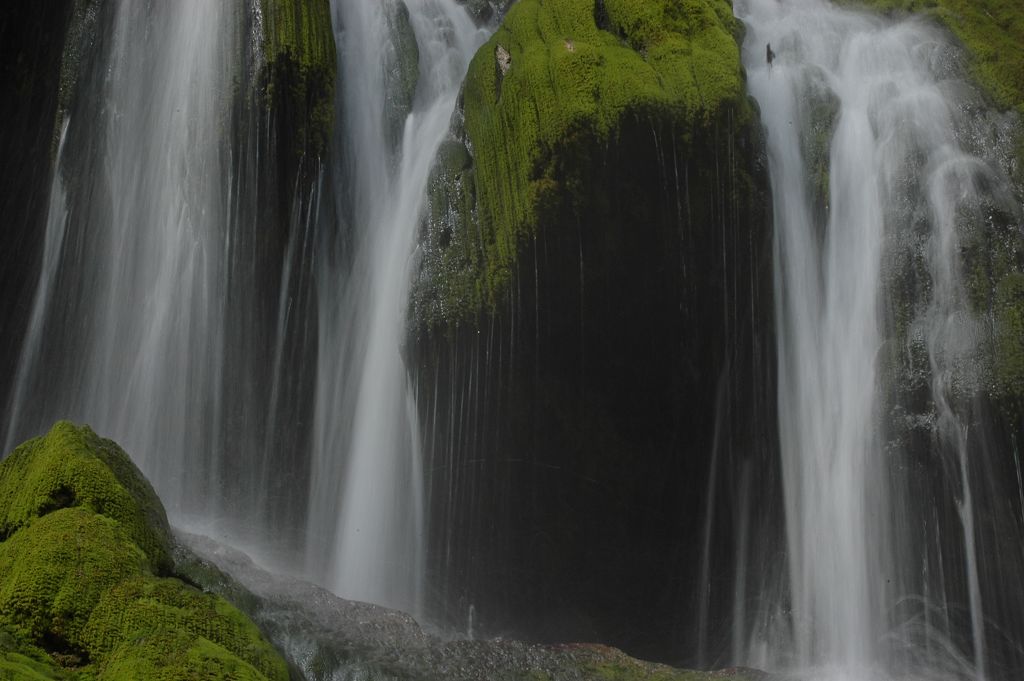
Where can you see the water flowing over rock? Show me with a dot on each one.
(885, 362)
(367, 480)
(172, 306)
(562, 320)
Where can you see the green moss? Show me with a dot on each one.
(72, 466)
(144, 608)
(19, 659)
(301, 64)
(175, 656)
(17, 667)
(575, 73)
(991, 30)
(56, 569)
(83, 533)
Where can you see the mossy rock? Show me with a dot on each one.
(176, 656)
(173, 619)
(19, 659)
(18, 667)
(557, 83)
(72, 466)
(56, 569)
(301, 64)
(84, 539)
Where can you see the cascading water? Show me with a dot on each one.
(366, 440)
(862, 127)
(127, 328)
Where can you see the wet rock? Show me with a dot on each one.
(328, 637)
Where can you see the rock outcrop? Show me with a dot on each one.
(594, 286)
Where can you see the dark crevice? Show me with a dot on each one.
(63, 652)
(62, 497)
(601, 17)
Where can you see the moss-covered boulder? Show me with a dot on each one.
(85, 576)
(594, 269)
(72, 466)
(19, 659)
(559, 83)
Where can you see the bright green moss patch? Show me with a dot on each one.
(301, 65)
(991, 30)
(55, 570)
(83, 534)
(17, 667)
(72, 466)
(146, 609)
(175, 656)
(558, 82)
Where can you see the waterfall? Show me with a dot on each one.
(175, 314)
(863, 132)
(126, 330)
(367, 483)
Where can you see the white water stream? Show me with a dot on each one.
(892, 144)
(132, 294)
(367, 481)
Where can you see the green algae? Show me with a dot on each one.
(84, 542)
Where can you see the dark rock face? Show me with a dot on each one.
(32, 36)
(572, 415)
